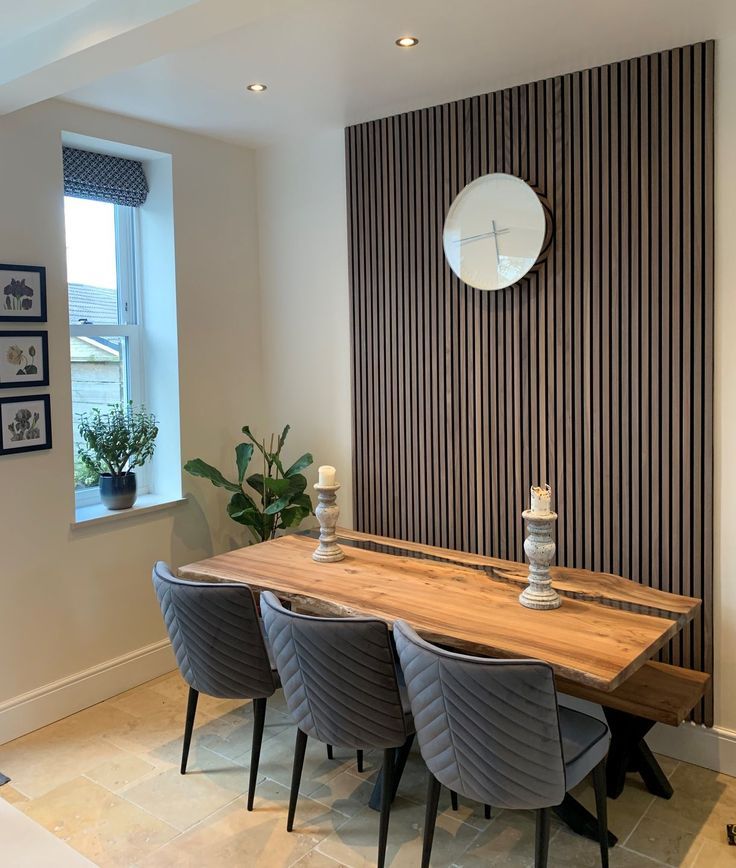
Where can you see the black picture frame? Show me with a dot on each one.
(23, 383)
(18, 316)
(5, 449)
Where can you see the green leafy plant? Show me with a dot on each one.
(117, 441)
(280, 499)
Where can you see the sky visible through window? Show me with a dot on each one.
(90, 242)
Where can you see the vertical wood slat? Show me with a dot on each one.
(595, 372)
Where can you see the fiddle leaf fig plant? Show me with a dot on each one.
(277, 498)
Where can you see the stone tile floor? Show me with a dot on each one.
(106, 781)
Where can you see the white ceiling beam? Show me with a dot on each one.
(108, 36)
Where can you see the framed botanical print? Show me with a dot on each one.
(25, 424)
(22, 293)
(24, 359)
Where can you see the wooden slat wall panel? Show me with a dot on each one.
(595, 373)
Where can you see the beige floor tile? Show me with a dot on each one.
(38, 766)
(568, 850)
(624, 812)
(507, 840)
(715, 855)
(667, 763)
(703, 802)
(355, 843)
(118, 773)
(230, 732)
(11, 795)
(277, 757)
(315, 859)
(101, 825)
(144, 701)
(211, 782)
(235, 836)
(668, 842)
(175, 689)
(346, 792)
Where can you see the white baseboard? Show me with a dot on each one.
(711, 748)
(51, 702)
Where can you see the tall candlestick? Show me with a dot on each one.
(327, 512)
(540, 548)
(327, 475)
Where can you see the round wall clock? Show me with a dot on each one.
(495, 231)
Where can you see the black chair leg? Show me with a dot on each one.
(487, 812)
(599, 784)
(402, 755)
(329, 752)
(359, 754)
(259, 719)
(453, 800)
(430, 817)
(386, 799)
(541, 844)
(189, 727)
(296, 776)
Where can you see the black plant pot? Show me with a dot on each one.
(118, 492)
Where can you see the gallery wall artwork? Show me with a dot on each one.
(23, 359)
(25, 424)
(22, 293)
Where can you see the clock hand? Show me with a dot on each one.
(491, 234)
(473, 237)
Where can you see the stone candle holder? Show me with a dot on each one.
(540, 548)
(327, 512)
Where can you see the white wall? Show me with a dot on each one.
(73, 599)
(304, 280)
(302, 219)
(725, 386)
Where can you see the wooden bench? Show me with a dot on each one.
(655, 693)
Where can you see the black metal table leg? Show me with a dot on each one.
(580, 820)
(629, 752)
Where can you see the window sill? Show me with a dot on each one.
(98, 514)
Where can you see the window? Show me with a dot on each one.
(105, 329)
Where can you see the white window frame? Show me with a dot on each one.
(127, 235)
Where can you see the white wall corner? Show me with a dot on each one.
(51, 702)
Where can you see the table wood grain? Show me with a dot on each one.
(606, 628)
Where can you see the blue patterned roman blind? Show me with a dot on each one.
(88, 175)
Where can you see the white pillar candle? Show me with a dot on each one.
(327, 475)
(541, 499)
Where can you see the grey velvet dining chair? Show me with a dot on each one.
(220, 649)
(492, 731)
(341, 687)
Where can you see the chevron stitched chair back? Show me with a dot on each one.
(338, 676)
(215, 631)
(487, 729)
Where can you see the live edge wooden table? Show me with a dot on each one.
(599, 642)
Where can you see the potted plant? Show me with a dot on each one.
(279, 499)
(117, 441)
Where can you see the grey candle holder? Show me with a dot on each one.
(540, 549)
(327, 512)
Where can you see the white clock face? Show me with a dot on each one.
(494, 231)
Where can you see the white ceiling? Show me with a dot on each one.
(18, 19)
(329, 63)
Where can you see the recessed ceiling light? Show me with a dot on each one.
(256, 87)
(407, 42)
